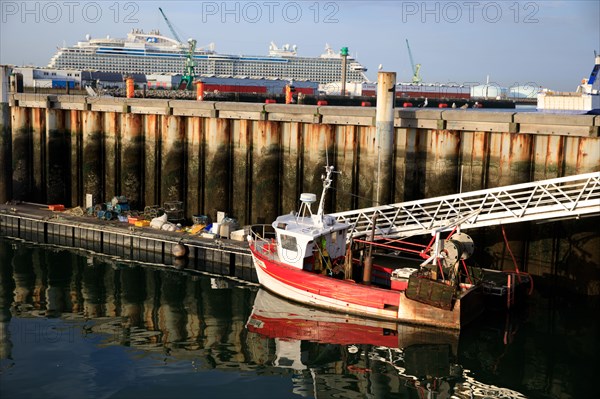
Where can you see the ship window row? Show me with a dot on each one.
(112, 65)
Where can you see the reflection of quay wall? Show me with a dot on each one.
(135, 306)
(132, 308)
(253, 160)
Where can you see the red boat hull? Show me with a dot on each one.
(352, 298)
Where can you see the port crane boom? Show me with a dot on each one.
(170, 26)
(416, 68)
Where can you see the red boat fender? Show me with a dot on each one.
(270, 101)
(321, 102)
(365, 104)
(407, 105)
(442, 105)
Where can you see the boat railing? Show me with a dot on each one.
(264, 239)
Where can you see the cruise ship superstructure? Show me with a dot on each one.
(155, 53)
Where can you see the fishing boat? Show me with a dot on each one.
(311, 258)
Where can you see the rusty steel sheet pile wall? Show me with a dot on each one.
(254, 160)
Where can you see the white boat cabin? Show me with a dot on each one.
(308, 241)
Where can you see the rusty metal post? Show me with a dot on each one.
(38, 137)
(131, 158)
(73, 128)
(130, 87)
(171, 162)
(265, 171)
(55, 159)
(200, 90)
(111, 130)
(217, 170)
(22, 174)
(368, 265)
(151, 159)
(92, 159)
(384, 137)
(195, 164)
(242, 167)
(5, 137)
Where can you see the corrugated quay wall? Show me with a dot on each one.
(254, 160)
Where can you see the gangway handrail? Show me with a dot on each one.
(557, 198)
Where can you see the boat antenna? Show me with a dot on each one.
(326, 184)
(326, 177)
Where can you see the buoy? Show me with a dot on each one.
(442, 105)
(179, 250)
(321, 102)
(365, 104)
(407, 105)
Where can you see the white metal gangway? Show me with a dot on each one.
(564, 197)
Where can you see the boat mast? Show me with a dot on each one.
(326, 184)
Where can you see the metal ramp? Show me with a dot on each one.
(564, 197)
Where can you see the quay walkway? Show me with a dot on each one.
(35, 223)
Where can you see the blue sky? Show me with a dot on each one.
(541, 43)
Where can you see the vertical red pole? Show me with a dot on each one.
(130, 88)
(200, 91)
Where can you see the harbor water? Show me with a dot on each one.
(75, 325)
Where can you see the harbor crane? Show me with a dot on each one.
(416, 68)
(187, 80)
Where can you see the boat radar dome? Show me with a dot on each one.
(308, 198)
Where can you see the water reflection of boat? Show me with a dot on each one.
(337, 355)
(311, 339)
(276, 317)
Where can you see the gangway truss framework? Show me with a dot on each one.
(553, 199)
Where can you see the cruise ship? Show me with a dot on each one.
(155, 53)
